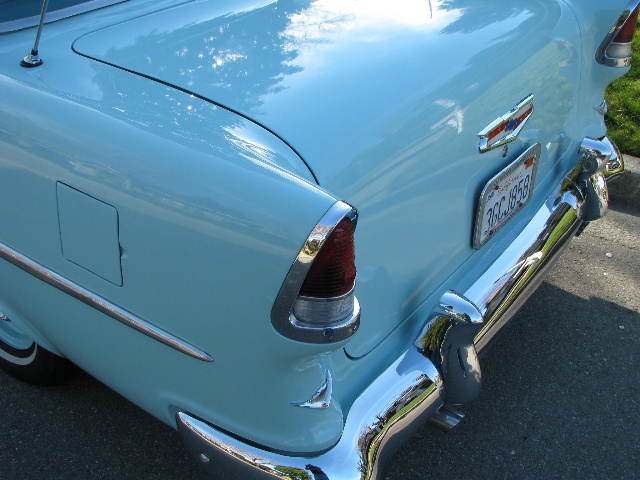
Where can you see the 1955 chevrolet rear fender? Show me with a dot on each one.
(146, 234)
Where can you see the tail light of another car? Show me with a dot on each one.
(616, 48)
(316, 302)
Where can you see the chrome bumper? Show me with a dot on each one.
(442, 367)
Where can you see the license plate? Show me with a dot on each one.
(505, 195)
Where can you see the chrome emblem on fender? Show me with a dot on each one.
(506, 128)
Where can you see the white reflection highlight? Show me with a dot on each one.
(325, 19)
(455, 119)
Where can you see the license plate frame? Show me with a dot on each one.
(505, 195)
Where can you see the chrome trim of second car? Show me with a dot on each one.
(282, 317)
(100, 304)
(601, 54)
(414, 388)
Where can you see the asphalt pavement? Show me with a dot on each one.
(561, 394)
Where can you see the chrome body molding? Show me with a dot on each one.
(421, 383)
(100, 304)
(506, 128)
(282, 316)
(601, 54)
(322, 398)
(603, 108)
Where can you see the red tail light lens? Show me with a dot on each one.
(628, 30)
(333, 272)
(317, 302)
(616, 49)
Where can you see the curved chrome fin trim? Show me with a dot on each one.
(322, 397)
(601, 53)
(603, 108)
(281, 313)
(100, 304)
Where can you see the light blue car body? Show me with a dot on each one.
(173, 157)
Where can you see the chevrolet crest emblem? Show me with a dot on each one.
(506, 128)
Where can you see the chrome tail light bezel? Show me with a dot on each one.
(288, 301)
(606, 54)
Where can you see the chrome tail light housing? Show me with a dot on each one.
(616, 49)
(317, 302)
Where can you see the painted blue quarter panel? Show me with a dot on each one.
(212, 211)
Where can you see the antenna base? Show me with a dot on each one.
(31, 60)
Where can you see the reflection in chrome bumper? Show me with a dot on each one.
(442, 367)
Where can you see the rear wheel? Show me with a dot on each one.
(24, 359)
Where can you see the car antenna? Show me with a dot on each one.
(33, 60)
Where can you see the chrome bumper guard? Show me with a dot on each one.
(442, 368)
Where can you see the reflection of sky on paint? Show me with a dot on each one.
(325, 66)
(281, 51)
(327, 21)
(347, 53)
(325, 18)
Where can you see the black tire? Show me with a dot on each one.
(33, 364)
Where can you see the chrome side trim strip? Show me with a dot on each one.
(100, 304)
